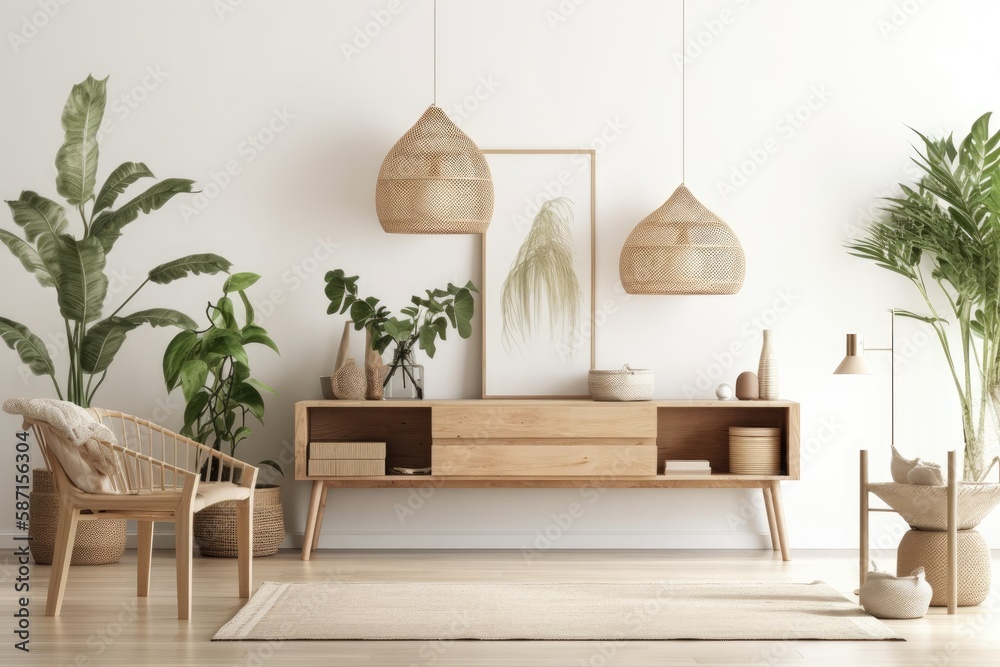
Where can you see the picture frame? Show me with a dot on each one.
(543, 347)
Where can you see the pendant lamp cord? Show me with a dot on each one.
(683, 92)
(435, 95)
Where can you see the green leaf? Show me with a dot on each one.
(228, 313)
(29, 258)
(125, 175)
(108, 225)
(273, 464)
(162, 317)
(256, 334)
(184, 266)
(81, 283)
(28, 346)
(193, 376)
(192, 415)
(102, 342)
(177, 352)
(337, 287)
(249, 397)
(465, 308)
(225, 343)
(427, 335)
(241, 433)
(76, 161)
(239, 282)
(262, 386)
(38, 216)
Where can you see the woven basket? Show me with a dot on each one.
(628, 384)
(682, 248)
(885, 596)
(98, 542)
(926, 507)
(215, 526)
(929, 549)
(434, 181)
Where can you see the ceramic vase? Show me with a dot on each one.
(767, 371)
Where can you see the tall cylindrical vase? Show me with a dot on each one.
(767, 371)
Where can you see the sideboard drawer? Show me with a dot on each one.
(591, 459)
(587, 419)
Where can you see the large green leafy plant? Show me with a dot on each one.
(427, 318)
(212, 368)
(75, 265)
(943, 235)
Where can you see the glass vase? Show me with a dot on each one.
(404, 379)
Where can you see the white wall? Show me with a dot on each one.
(560, 74)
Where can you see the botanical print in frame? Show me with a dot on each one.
(538, 274)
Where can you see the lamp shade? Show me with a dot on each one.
(854, 363)
(435, 180)
(682, 248)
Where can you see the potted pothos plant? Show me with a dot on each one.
(427, 318)
(212, 368)
(943, 236)
(71, 258)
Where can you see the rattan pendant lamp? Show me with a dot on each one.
(435, 180)
(682, 247)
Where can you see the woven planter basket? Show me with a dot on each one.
(929, 549)
(885, 596)
(435, 180)
(926, 507)
(215, 526)
(97, 542)
(682, 248)
(628, 384)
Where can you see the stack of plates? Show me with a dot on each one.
(754, 450)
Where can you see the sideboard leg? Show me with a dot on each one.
(772, 525)
(319, 517)
(307, 541)
(779, 518)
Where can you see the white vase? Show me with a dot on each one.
(767, 371)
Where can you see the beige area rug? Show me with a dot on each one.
(548, 611)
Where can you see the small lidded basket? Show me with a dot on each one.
(627, 384)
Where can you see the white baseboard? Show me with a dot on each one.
(514, 540)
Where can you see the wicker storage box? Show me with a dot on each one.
(627, 384)
(885, 596)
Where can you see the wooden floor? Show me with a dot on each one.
(104, 624)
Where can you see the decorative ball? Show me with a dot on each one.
(746, 386)
(724, 392)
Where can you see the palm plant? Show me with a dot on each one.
(943, 235)
(542, 277)
(75, 266)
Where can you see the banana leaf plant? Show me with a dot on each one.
(943, 236)
(75, 265)
(212, 368)
(427, 318)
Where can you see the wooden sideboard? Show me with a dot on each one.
(545, 443)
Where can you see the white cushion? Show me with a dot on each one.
(210, 493)
(927, 474)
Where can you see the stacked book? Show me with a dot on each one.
(346, 459)
(674, 467)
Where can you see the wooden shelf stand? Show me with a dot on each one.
(557, 443)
